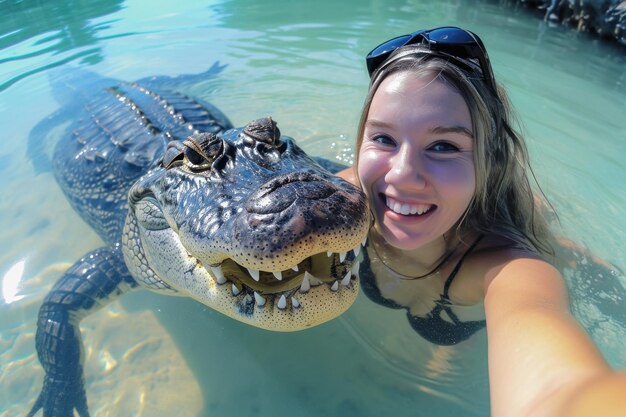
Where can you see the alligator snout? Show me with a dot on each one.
(282, 192)
(295, 211)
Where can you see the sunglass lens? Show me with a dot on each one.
(390, 45)
(450, 35)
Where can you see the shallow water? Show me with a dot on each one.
(302, 63)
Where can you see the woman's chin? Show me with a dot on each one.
(402, 240)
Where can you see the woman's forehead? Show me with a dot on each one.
(406, 94)
(410, 82)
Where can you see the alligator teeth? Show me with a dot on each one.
(295, 268)
(219, 275)
(335, 286)
(315, 281)
(278, 275)
(260, 301)
(254, 274)
(364, 241)
(294, 302)
(282, 303)
(355, 269)
(346, 280)
(343, 255)
(306, 285)
(235, 289)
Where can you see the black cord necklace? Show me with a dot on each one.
(445, 258)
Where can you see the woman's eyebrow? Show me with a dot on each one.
(452, 129)
(378, 123)
(436, 130)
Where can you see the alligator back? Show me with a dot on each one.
(119, 134)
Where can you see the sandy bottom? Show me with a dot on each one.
(132, 367)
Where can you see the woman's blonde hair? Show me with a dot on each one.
(504, 202)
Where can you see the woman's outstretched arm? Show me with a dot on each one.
(541, 361)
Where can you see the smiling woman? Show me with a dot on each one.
(456, 226)
(416, 157)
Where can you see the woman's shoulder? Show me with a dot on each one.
(499, 256)
(349, 175)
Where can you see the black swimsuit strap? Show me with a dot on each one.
(457, 267)
(432, 326)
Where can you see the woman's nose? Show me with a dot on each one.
(406, 170)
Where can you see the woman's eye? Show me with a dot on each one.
(444, 147)
(383, 140)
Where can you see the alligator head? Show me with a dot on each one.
(249, 225)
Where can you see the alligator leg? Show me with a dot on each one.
(92, 282)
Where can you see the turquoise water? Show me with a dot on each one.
(302, 63)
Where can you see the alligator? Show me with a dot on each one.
(241, 220)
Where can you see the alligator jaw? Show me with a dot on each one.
(322, 288)
(325, 268)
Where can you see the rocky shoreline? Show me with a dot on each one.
(605, 19)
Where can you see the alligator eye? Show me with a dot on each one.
(201, 150)
(263, 130)
(195, 160)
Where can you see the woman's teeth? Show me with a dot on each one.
(405, 208)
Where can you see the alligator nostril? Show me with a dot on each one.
(263, 130)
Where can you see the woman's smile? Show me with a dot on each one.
(408, 209)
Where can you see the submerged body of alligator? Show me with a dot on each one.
(241, 220)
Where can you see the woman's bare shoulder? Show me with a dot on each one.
(349, 175)
(491, 255)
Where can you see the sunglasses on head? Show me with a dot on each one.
(460, 45)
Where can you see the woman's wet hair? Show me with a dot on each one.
(504, 202)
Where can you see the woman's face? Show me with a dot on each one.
(416, 159)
